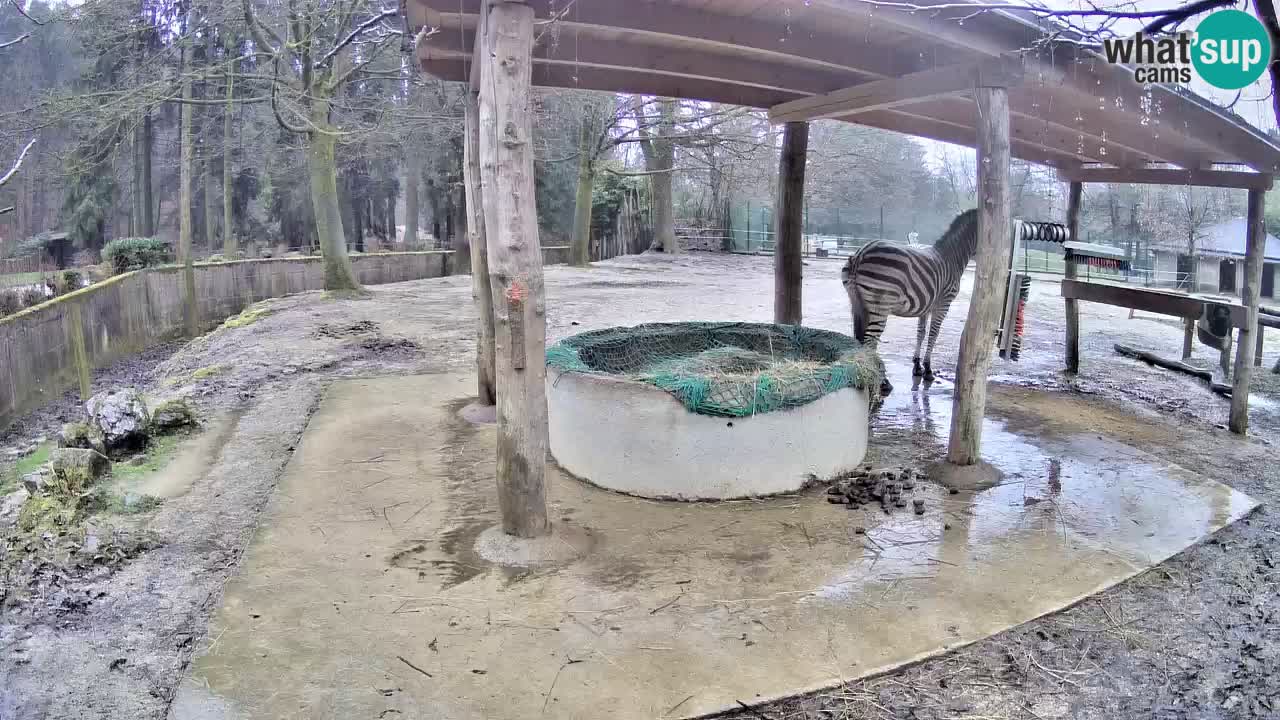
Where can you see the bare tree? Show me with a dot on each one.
(320, 49)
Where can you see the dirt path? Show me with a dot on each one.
(1195, 638)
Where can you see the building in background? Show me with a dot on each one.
(1218, 264)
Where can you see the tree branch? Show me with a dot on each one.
(361, 28)
(15, 41)
(17, 163)
(23, 12)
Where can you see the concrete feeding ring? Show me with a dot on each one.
(709, 411)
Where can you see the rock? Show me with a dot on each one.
(173, 414)
(77, 468)
(81, 435)
(34, 482)
(121, 416)
(10, 506)
(918, 506)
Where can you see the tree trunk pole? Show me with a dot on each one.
(1249, 292)
(970, 395)
(228, 231)
(323, 171)
(460, 242)
(580, 243)
(1074, 193)
(185, 229)
(788, 262)
(515, 267)
(412, 177)
(481, 290)
(148, 228)
(1188, 337)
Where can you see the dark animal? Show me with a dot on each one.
(885, 279)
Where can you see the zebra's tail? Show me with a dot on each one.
(848, 275)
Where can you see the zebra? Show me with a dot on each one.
(884, 279)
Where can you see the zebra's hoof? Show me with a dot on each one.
(917, 370)
(928, 374)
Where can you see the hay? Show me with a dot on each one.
(725, 369)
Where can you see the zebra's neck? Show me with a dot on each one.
(957, 246)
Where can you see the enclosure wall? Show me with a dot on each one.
(47, 349)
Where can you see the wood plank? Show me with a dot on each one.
(675, 26)
(574, 52)
(1047, 104)
(1153, 359)
(515, 268)
(891, 92)
(1074, 195)
(1089, 78)
(970, 394)
(904, 121)
(788, 260)
(1170, 176)
(1255, 247)
(1161, 302)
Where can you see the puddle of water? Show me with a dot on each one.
(1062, 495)
(192, 459)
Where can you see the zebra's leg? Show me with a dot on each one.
(916, 369)
(875, 328)
(939, 314)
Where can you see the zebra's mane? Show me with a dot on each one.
(960, 241)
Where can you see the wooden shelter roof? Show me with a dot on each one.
(885, 68)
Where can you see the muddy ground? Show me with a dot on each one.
(1195, 638)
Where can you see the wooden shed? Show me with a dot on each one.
(1000, 81)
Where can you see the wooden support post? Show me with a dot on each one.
(1249, 295)
(515, 267)
(970, 395)
(1075, 192)
(1257, 348)
(1188, 337)
(788, 263)
(481, 291)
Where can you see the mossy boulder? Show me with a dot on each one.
(172, 415)
(81, 435)
(76, 469)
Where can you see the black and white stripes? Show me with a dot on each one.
(885, 279)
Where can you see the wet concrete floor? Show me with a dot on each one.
(362, 595)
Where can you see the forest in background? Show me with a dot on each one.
(310, 109)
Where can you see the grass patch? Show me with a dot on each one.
(209, 371)
(158, 453)
(29, 464)
(114, 503)
(27, 278)
(248, 316)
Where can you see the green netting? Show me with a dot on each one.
(725, 369)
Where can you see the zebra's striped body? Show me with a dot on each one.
(884, 279)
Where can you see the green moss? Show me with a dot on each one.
(45, 513)
(29, 464)
(32, 462)
(209, 371)
(248, 316)
(161, 449)
(114, 503)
